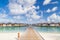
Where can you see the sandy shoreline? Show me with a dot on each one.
(50, 36)
(13, 36)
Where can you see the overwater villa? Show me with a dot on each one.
(46, 24)
(11, 24)
(22, 24)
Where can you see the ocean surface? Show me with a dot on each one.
(23, 29)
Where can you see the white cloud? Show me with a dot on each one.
(7, 20)
(35, 16)
(54, 9)
(32, 16)
(56, 2)
(16, 17)
(46, 2)
(16, 9)
(28, 15)
(21, 6)
(53, 18)
(29, 20)
(26, 3)
(3, 15)
(43, 21)
(37, 7)
(48, 11)
(49, 2)
(4, 18)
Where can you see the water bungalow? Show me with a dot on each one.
(22, 24)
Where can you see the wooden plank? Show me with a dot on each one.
(31, 34)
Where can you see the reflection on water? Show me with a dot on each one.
(22, 29)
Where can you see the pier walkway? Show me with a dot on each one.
(31, 34)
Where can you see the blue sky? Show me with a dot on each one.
(29, 11)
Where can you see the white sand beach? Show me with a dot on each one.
(46, 36)
(50, 36)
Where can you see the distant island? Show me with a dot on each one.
(24, 24)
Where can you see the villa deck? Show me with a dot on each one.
(31, 34)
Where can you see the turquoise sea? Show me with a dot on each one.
(22, 29)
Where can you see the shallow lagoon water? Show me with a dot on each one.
(10, 33)
(47, 29)
(22, 29)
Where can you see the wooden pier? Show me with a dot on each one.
(31, 34)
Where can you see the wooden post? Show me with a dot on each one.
(18, 35)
